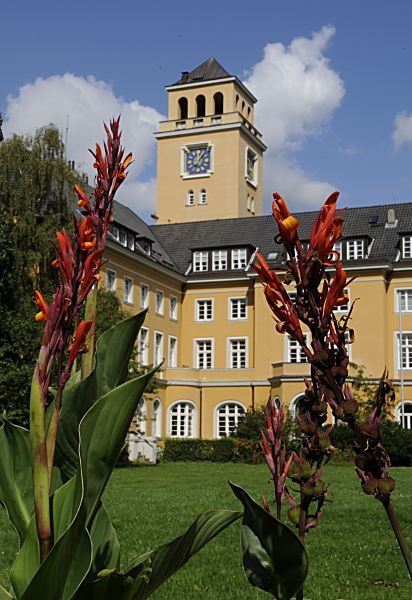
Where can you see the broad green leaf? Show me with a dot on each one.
(106, 547)
(274, 559)
(4, 595)
(113, 352)
(108, 586)
(27, 561)
(16, 486)
(166, 560)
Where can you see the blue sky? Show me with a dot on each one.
(334, 85)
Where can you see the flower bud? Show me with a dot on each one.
(370, 486)
(294, 515)
(387, 485)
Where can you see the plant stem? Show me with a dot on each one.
(390, 511)
(302, 532)
(90, 315)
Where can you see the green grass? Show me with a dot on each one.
(354, 543)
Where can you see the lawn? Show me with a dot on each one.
(353, 545)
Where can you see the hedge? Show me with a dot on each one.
(222, 450)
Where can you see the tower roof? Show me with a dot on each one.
(210, 69)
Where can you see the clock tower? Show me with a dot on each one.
(209, 153)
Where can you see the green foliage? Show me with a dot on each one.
(274, 559)
(188, 450)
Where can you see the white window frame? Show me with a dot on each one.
(130, 241)
(254, 180)
(185, 409)
(207, 314)
(398, 293)
(237, 300)
(173, 309)
(128, 299)
(355, 247)
(301, 355)
(232, 353)
(123, 237)
(190, 198)
(407, 416)
(172, 353)
(407, 335)
(160, 304)
(219, 260)
(200, 261)
(406, 246)
(115, 232)
(202, 197)
(157, 418)
(158, 348)
(143, 346)
(114, 286)
(144, 302)
(197, 354)
(345, 307)
(226, 404)
(141, 421)
(238, 256)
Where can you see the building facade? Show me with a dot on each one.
(207, 317)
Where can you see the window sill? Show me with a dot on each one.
(128, 302)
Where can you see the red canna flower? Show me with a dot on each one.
(78, 343)
(82, 198)
(326, 230)
(42, 306)
(87, 238)
(287, 223)
(66, 260)
(336, 295)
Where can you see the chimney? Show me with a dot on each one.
(391, 220)
(185, 76)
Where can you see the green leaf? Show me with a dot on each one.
(109, 585)
(113, 352)
(106, 546)
(16, 486)
(4, 595)
(274, 559)
(166, 560)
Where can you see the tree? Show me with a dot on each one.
(35, 200)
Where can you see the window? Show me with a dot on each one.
(404, 415)
(145, 245)
(203, 197)
(159, 303)
(173, 307)
(337, 247)
(144, 295)
(172, 351)
(200, 261)
(219, 262)
(354, 249)
(181, 420)
(200, 105)
(295, 352)
(249, 202)
(122, 238)
(252, 208)
(218, 98)
(190, 201)
(251, 167)
(183, 108)
(239, 258)
(204, 310)
(407, 247)
(111, 280)
(115, 232)
(344, 307)
(238, 353)
(143, 346)
(237, 308)
(128, 290)
(141, 416)
(228, 416)
(404, 300)
(158, 347)
(405, 351)
(130, 241)
(157, 418)
(204, 354)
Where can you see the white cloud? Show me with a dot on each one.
(402, 134)
(298, 92)
(89, 103)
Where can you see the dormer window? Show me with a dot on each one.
(122, 238)
(239, 258)
(219, 260)
(406, 246)
(115, 232)
(200, 260)
(130, 241)
(355, 249)
(145, 245)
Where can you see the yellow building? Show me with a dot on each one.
(207, 316)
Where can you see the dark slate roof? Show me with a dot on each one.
(210, 69)
(180, 239)
(126, 218)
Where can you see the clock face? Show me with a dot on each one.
(197, 161)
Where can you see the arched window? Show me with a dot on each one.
(201, 105)
(298, 406)
(248, 113)
(276, 402)
(203, 197)
(218, 98)
(182, 420)
(157, 418)
(190, 200)
(237, 101)
(404, 414)
(183, 107)
(227, 418)
(243, 107)
(141, 414)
